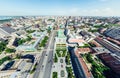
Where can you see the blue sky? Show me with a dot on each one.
(60, 7)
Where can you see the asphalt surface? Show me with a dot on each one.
(43, 69)
(48, 66)
(49, 62)
(36, 75)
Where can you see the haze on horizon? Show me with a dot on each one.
(60, 7)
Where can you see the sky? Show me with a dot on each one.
(60, 7)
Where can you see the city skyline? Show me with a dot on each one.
(60, 7)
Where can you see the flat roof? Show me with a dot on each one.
(76, 40)
(84, 50)
(8, 29)
(14, 75)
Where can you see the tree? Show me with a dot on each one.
(89, 58)
(9, 50)
(4, 59)
(30, 31)
(18, 56)
(29, 38)
(55, 58)
(2, 46)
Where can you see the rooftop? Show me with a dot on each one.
(84, 66)
(8, 29)
(76, 41)
(96, 43)
(82, 50)
(112, 61)
(61, 33)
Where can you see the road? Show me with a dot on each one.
(43, 69)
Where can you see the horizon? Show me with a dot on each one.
(52, 15)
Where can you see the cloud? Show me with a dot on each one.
(91, 12)
(69, 12)
(105, 0)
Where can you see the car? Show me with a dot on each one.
(18, 70)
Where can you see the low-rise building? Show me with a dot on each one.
(100, 50)
(84, 50)
(6, 31)
(13, 72)
(7, 74)
(96, 44)
(25, 48)
(85, 69)
(32, 47)
(79, 42)
(80, 68)
(60, 39)
(112, 61)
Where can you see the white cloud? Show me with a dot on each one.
(92, 12)
(72, 11)
(104, 0)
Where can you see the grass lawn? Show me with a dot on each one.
(61, 48)
(67, 58)
(44, 41)
(58, 53)
(70, 73)
(85, 46)
(55, 75)
(63, 53)
(4, 59)
(55, 58)
(9, 50)
(34, 68)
